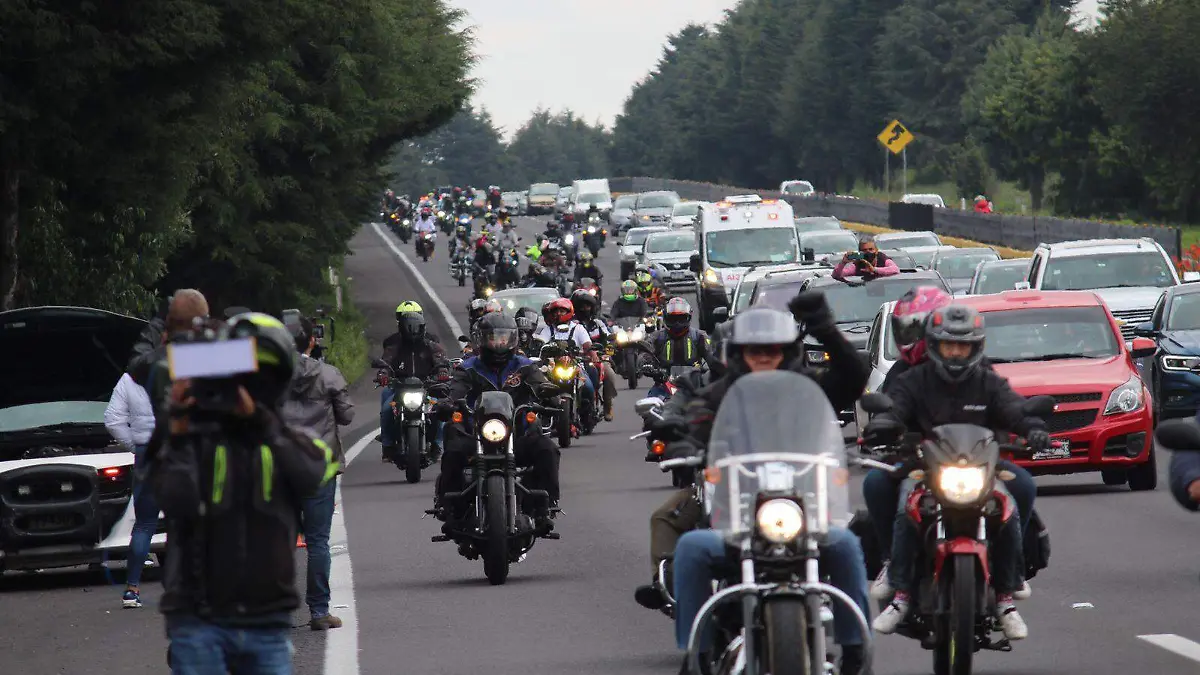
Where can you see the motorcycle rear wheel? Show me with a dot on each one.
(785, 623)
(412, 455)
(956, 649)
(495, 552)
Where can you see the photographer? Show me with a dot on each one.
(318, 403)
(230, 478)
(867, 262)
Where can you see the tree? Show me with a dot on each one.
(559, 148)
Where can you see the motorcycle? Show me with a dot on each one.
(410, 409)
(459, 265)
(508, 269)
(570, 246)
(405, 230)
(482, 280)
(594, 235)
(683, 474)
(589, 284)
(465, 220)
(775, 488)
(954, 505)
(425, 244)
(446, 221)
(497, 526)
(628, 335)
(561, 366)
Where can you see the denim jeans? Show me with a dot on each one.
(1004, 543)
(145, 514)
(699, 552)
(316, 515)
(386, 416)
(202, 648)
(881, 491)
(659, 390)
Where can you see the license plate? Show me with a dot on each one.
(679, 274)
(1063, 452)
(50, 522)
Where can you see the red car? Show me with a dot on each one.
(1066, 344)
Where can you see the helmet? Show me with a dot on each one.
(678, 317)
(388, 192)
(909, 317)
(629, 290)
(426, 211)
(762, 326)
(503, 213)
(559, 310)
(275, 356)
(551, 225)
(568, 217)
(584, 303)
(586, 258)
(498, 339)
(460, 231)
(476, 309)
(491, 306)
(410, 321)
(457, 191)
(643, 278)
(960, 325)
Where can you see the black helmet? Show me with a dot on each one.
(276, 356)
(762, 326)
(584, 303)
(498, 339)
(503, 212)
(955, 324)
(411, 325)
(678, 316)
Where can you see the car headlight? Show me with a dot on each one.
(961, 484)
(645, 217)
(412, 400)
(780, 520)
(570, 239)
(494, 431)
(1126, 398)
(1180, 363)
(711, 278)
(816, 356)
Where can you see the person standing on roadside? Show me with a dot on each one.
(318, 402)
(148, 377)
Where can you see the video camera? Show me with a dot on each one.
(291, 319)
(215, 363)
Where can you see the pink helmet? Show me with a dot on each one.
(908, 320)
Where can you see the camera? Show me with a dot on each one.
(214, 362)
(291, 319)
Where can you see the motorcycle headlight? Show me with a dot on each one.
(488, 292)
(441, 214)
(407, 221)
(412, 400)
(494, 431)
(564, 372)
(961, 484)
(780, 520)
(1126, 398)
(639, 332)
(591, 229)
(621, 336)
(570, 239)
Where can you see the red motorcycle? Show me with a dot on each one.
(425, 243)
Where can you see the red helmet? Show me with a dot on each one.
(427, 211)
(568, 217)
(908, 320)
(559, 310)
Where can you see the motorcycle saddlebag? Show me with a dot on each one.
(1037, 546)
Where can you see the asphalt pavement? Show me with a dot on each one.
(1123, 564)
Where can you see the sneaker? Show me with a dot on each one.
(300, 541)
(325, 622)
(649, 596)
(889, 619)
(1010, 619)
(881, 590)
(1023, 593)
(131, 599)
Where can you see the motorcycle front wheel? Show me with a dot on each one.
(462, 281)
(956, 644)
(563, 427)
(631, 368)
(785, 624)
(495, 552)
(412, 454)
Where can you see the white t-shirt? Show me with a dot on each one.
(573, 331)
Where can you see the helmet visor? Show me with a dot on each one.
(500, 338)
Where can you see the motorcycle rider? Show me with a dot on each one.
(413, 352)
(461, 244)
(952, 387)
(553, 231)
(559, 323)
(587, 268)
(493, 197)
(631, 303)
(507, 238)
(485, 259)
(881, 489)
(538, 277)
(649, 286)
(587, 309)
(498, 368)
(765, 339)
(678, 344)
(425, 223)
(504, 215)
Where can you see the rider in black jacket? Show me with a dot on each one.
(413, 352)
(952, 387)
(631, 303)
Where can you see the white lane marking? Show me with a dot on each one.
(445, 311)
(341, 644)
(1174, 644)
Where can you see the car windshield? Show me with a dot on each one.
(961, 263)
(625, 202)
(908, 241)
(902, 259)
(852, 303)
(637, 236)
(757, 246)
(997, 278)
(921, 258)
(593, 199)
(1185, 312)
(817, 223)
(511, 304)
(832, 242)
(564, 192)
(686, 209)
(798, 188)
(544, 189)
(657, 201)
(1109, 270)
(777, 296)
(671, 242)
(1049, 334)
(36, 415)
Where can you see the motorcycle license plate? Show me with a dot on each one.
(1063, 452)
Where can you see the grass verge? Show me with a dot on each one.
(346, 350)
(952, 241)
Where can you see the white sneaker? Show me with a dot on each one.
(881, 590)
(1010, 621)
(891, 616)
(1024, 592)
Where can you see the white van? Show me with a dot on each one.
(733, 235)
(591, 191)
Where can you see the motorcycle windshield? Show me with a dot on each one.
(775, 436)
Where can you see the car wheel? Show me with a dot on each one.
(1113, 476)
(1144, 476)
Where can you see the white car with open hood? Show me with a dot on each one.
(66, 486)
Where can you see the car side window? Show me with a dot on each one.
(1033, 270)
(1159, 312)
(876, 338)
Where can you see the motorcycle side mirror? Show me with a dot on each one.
(720, 314)
(1038, 406)
(876, 403)
(1179, 434)
(645, 405)
(378, 363)
(694, 263)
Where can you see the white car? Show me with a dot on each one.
(800, 188)
(66, 487)
(933, 200)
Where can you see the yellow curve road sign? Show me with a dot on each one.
(895, 137)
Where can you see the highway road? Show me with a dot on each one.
(1123, 564)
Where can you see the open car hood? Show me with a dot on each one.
(64, 353)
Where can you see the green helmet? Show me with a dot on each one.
(275, 350)
(629, 290)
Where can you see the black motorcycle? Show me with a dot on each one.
(628, 336)
(482, 280)
(560, 362)
(497, 525)
(594, 234)
(460, 264)
(411, 425)
(508, 269)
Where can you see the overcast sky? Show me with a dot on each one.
(581, 54)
